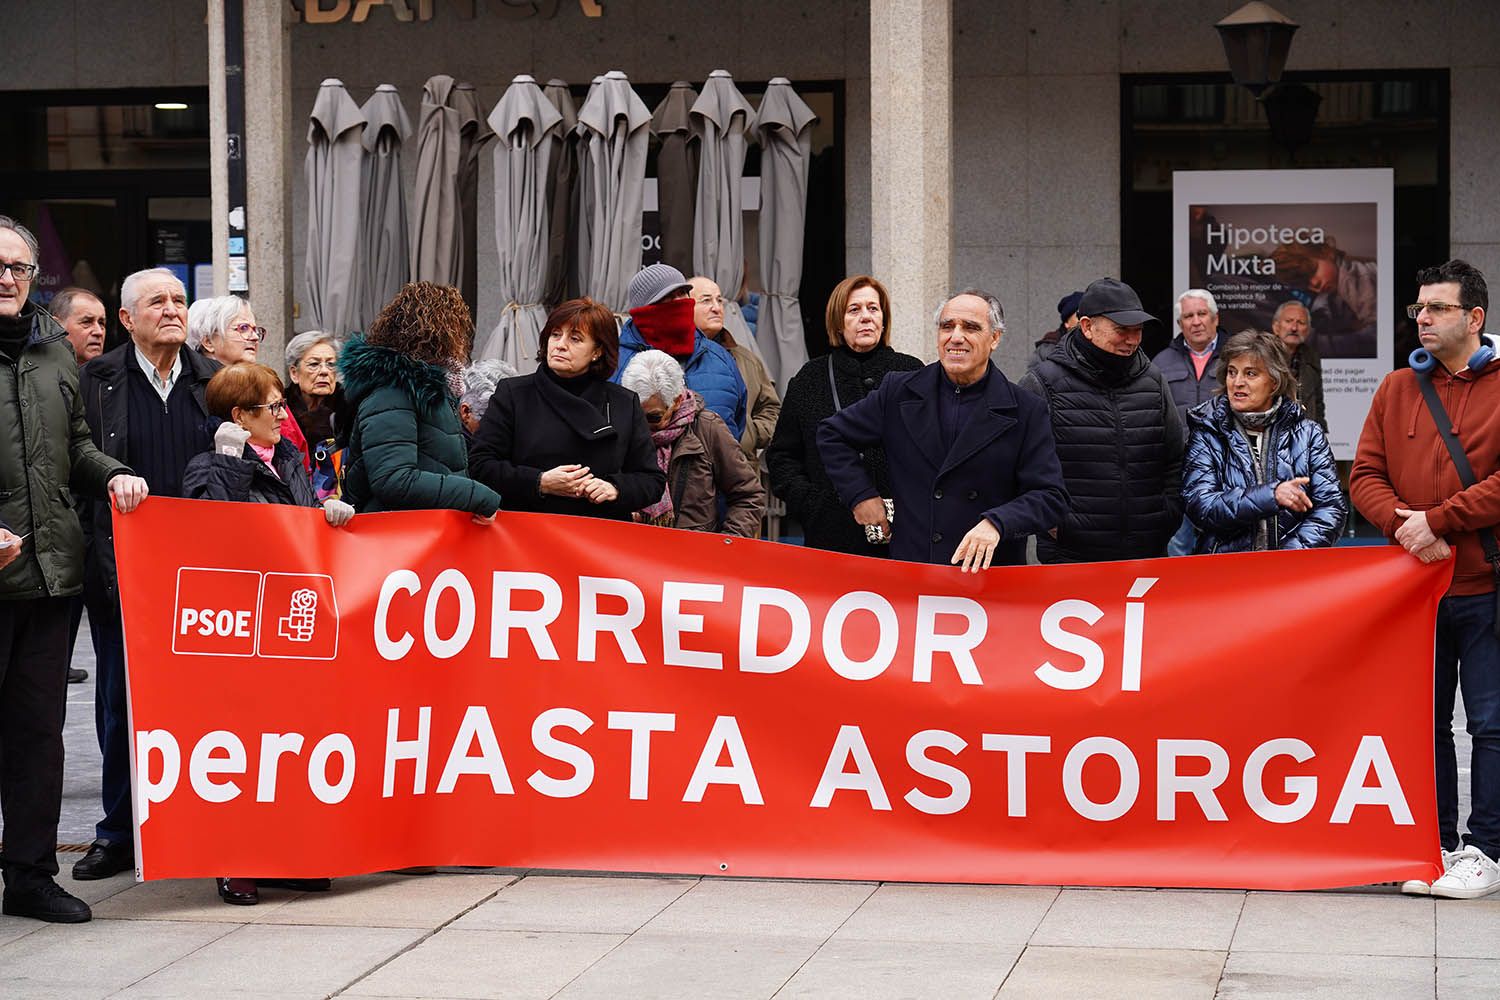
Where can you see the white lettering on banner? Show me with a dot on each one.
(1015, 749)
(680, 614)
(413, 750)
(1223, 263)
(567, 753)
(724, 737)
(956, 780)
(475, 727)
(1234, 237)
(641, 725)
(850, 745)
(850, 766)
(204, 764)
(210, 622)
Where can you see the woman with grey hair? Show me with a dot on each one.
(480, 379)
(315, 398)
(701, 458)
(1259, 474)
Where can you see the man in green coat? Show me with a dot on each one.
(46, 455)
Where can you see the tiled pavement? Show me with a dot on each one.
(492, 933)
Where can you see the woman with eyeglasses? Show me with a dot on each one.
(317, 402)
(564, 439)
(223, 328)
(253, 463)
(702, 460)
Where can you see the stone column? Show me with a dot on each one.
(911, 162)
(268, 194)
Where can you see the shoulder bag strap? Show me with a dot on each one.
(1465, 476)
(837, 406)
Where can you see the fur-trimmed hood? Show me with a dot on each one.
(363, 367)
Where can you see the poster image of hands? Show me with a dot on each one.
(1254, 257)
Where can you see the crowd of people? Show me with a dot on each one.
(1098, 453)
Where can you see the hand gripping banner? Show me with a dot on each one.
(566, 693)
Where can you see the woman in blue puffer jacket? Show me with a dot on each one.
(1259, 474)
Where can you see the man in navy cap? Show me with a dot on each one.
(661, 318)
(1117, 431)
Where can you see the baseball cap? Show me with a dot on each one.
(1115, 301)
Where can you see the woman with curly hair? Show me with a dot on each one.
(403, 380)
(564, 439)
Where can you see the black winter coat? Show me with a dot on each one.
(106, 403)
(1121, 447)
(1001, 467)
(534, 424)
(797, 474)
(246, 479)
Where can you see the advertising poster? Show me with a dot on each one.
(1258, 238)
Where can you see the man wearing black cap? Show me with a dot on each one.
(1067, 319)
(1118, 435)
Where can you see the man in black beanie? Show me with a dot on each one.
(1118, 434)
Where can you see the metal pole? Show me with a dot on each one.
(234, 102)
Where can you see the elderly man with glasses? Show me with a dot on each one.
(145, 406)
(45, 452)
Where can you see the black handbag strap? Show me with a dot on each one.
(1465, 475)
(832, 387)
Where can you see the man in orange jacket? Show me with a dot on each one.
(1405, 481)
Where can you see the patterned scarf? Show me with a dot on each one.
(684, 412)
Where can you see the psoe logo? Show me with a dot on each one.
(232, 612)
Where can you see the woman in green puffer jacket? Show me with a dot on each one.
(403, 380)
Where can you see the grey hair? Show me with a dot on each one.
(304, 342)
(130, 288)
(211, 318)
(6, 222)
(480, 380)
(1272, 353)
(653, 373)
(1291, 304)
(1194, 293)
(61, 306)
(997, 311)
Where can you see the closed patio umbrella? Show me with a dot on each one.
(676, 174)
(784, 128)
(386, 257)
(722, 115)
(524, 123)
(334, 168)
(473, 136)
(581, 215)
(446, 128)
(616, 135)
(561, 176)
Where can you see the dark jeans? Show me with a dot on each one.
(33, 703)
(1467, 658)
(111, 721)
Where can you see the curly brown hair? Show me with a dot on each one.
(592, 318)
(427, 321)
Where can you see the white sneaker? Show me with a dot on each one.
(1471, 874)
(1420, 887)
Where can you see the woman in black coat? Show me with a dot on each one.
(859, 330)
(252, 463)
(564, 439)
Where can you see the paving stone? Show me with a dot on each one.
(386, 900)
(576, 903)
(752, 965)
(1091, 973)
(1268, 976)
(976, 914)
(97, 958)
(1336, 924)
(887, 970)
(1468, 978)
(1468, 928)
(275, 960)
(1134, 918)
(750, 907)
(193, 899)
(483, 963)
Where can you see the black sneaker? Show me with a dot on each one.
(49, 902)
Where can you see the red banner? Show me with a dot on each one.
(566, 693)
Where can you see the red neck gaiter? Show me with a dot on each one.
(667, 326)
